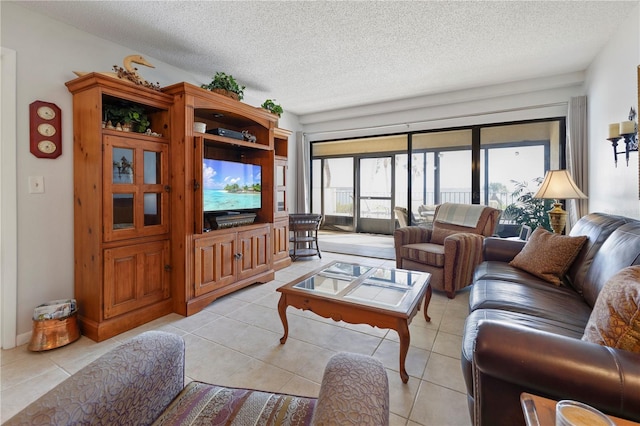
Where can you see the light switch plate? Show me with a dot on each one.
(36, 184)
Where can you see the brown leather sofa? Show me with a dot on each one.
(523, 334)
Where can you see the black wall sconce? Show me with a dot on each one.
(627, 130)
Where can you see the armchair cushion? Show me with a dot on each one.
(615, 319)
(548, 256)
(427, 253)
(211, 404)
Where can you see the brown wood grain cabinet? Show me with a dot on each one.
(280, 240)
(121, 210)
(142, 248)
(210, 263)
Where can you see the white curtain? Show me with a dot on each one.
(577, 157)
(303, 175)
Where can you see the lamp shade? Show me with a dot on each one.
(558, 185)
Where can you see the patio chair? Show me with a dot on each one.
(402, 215)
(303, 235)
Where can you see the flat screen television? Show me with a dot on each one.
(230, 186)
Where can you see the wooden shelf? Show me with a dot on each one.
(209, 138)
(135, 135)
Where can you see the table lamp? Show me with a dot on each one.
(558, 185)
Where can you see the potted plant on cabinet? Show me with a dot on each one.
(226, 85)
(137, 119)
(271, 106)
(131, 117)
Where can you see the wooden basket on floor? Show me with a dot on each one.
(54, 333)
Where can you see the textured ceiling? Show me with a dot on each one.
(321, 55)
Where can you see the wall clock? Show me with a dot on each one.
(45, 130)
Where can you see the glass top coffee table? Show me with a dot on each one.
(358, 294)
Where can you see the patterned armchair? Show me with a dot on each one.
(451, 249)
(142, 382)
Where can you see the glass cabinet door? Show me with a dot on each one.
(281, 187)
(135, 196)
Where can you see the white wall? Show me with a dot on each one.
(47, 53)
(531, 99)
(612, 89)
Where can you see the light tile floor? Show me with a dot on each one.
(235, 342)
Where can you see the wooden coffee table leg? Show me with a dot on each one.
(405, 339)
(282, 310)
(427, 299)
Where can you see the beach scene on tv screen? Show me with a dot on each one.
(229, 185)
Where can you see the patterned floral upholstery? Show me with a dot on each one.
(142, 381)
(364, 404)
(131, 384)
(615, 319)
(205, 404)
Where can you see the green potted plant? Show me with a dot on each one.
(137, 119)
(527, 210)
(129, 115)
(271, 106)
(226, 85)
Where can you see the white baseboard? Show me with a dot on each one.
(24, 338)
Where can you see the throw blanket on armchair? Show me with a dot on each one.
(460, 214)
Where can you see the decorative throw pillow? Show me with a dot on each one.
(548, 256)
(615, 319)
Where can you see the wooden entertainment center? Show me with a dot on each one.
(143, 247)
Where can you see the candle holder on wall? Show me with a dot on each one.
(627, 130)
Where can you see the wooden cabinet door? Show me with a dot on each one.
(280, 239)
(255, 251)
(214, 262)
(135, 276)
(135, 188)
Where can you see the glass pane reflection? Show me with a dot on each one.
(152, 167)
(122, 165)
(280, 175)
(152, 209)
(122, 211)
(280, 203)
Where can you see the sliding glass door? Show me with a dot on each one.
(441, 171)
(375, 212)
(353, 183)
(357, 183)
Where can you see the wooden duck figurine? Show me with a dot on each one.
(131, 74)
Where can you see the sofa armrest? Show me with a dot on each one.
(409, 235)
(462, 253)
(354, 391)
(131, 384)
(510, 359)
(501, 249)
